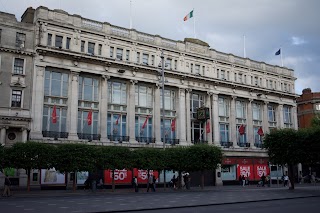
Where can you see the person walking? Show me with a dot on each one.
(7, 183)
(243, 181)
(263, 179)
(173, 182)
(286, 178)
(154, 179)
(135, 184)
(150, 183)
(240, 180)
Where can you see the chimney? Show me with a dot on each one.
(306, 91)
(28, 15)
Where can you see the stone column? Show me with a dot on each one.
(131, 112)
(24, 135)
(280, 116)
(37, 111)
(265, 121)
(104, 108)
(215, 117)
(188, 119)
(232, 122)
(73, 107)
(182, 117)
(3, 135)
(294, 117)
(157, 115)
(249, 126)
(208, 104)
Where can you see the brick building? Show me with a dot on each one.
(308, 105)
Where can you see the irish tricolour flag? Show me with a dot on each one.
(188, 16)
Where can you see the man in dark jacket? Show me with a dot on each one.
(7, 184)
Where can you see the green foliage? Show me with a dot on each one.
(148, 158)
(203, 157)
(31, 155)
(315, 122)
(176, 159)
(113, 157)
(74, 158)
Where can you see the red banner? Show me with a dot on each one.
(260, 170)
(122, 176)
(246, 170)
(142, 175)
(229, 161)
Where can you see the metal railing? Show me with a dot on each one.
(118, 138)
(226, 144)
(145, 140)
(258, 145)
(244, 144)
(55, 135)
(89, 137)
(199, 142)
(171, 141)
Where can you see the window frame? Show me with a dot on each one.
(21, 98)
(56, 42)
(14, 66)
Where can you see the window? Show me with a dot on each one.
(256, 111)
(128, 55)
(91, 48)
(111, 52)
(138, 57)
(16, 98)
(241, 139)
(56, 84)
(116, 126)
(257, 137)
(152, 60)
(58, 41)
(145, 59)
(20, 40)
(100, 49)
(18, 66)
(68, 43)
(119, 53)
(168, 63)
(223, 107)
(256, 82)
(88, 89)
(197, 69)
(168, 133)
(82, 46)
(270, 84)
(317, 106)
(191, 68)
(117, 93)
(285, 87)
(271, 113)
(144, 96)
(240, 109)
(240, 78)
(49, 41)
(235, 77)
(169, 99)
(196, 101)
(224, 132)
(175, 64)
(146, 132)
(222, 75)
(287, 119)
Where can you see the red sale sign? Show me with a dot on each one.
(261, 170)
(246, 170)
(142, 175)
(121, 176)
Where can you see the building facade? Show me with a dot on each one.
(97, 83)
(308, 107)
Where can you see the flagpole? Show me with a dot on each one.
(194, 24)
(130, 14)
(281, 56)
(244, 46)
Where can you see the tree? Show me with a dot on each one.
(31, 155)
(203, 157)
(74, 158)
(287, 146)
(315, 121)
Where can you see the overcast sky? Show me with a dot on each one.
(266, 24)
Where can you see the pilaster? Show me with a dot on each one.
(215, 117)
(208, 104)
(232, 122)
(250, 124)
(182, 117)
(280, 116)
(104, 108)
(24, 135)
(294, 117)
(188, 119)
(131, 112)
(265, 121)
(73, 107)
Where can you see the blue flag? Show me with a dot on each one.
(278, 52)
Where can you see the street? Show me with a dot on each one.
(222, 199)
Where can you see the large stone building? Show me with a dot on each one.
(83, 66)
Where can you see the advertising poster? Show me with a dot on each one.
(259, 170)
(142, 175)
(82, 177)
(52, 177)
(246, 170)
(121, 176)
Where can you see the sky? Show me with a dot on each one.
(292, 25)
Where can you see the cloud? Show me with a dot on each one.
(297, 41)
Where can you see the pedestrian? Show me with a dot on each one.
(150, 182)
(7, 183)
(263, 179)
(240, 180)
(313, 179)
(247, 180)
(173, 182)
(243, 181)
(286, 178)
(185, 180)
(188, 182)
(135, 184)
(154, 179)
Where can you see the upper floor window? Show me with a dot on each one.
(100, 49)
(196, 101)
(240, 109)
(49, 41)
(16, 98)
(223, 75)
(111, 52)
(68, 43)
(119, 53)
(58, 41)
(317, 106)
(88, 89)
(168, 64)
(138, 57)
(144, 96)
(223, 107)
(271, 113)
(169, 99)
(191, 68)
(91, 48)
(18, 66)
(240, 78)
(82, 46)
(20, 40)
(197, 69)
(145, 59)
(117, 92)
(56, 84)
(127, 55)
(256, 111)
(287, 115)
(152, 60)
(256, 81)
